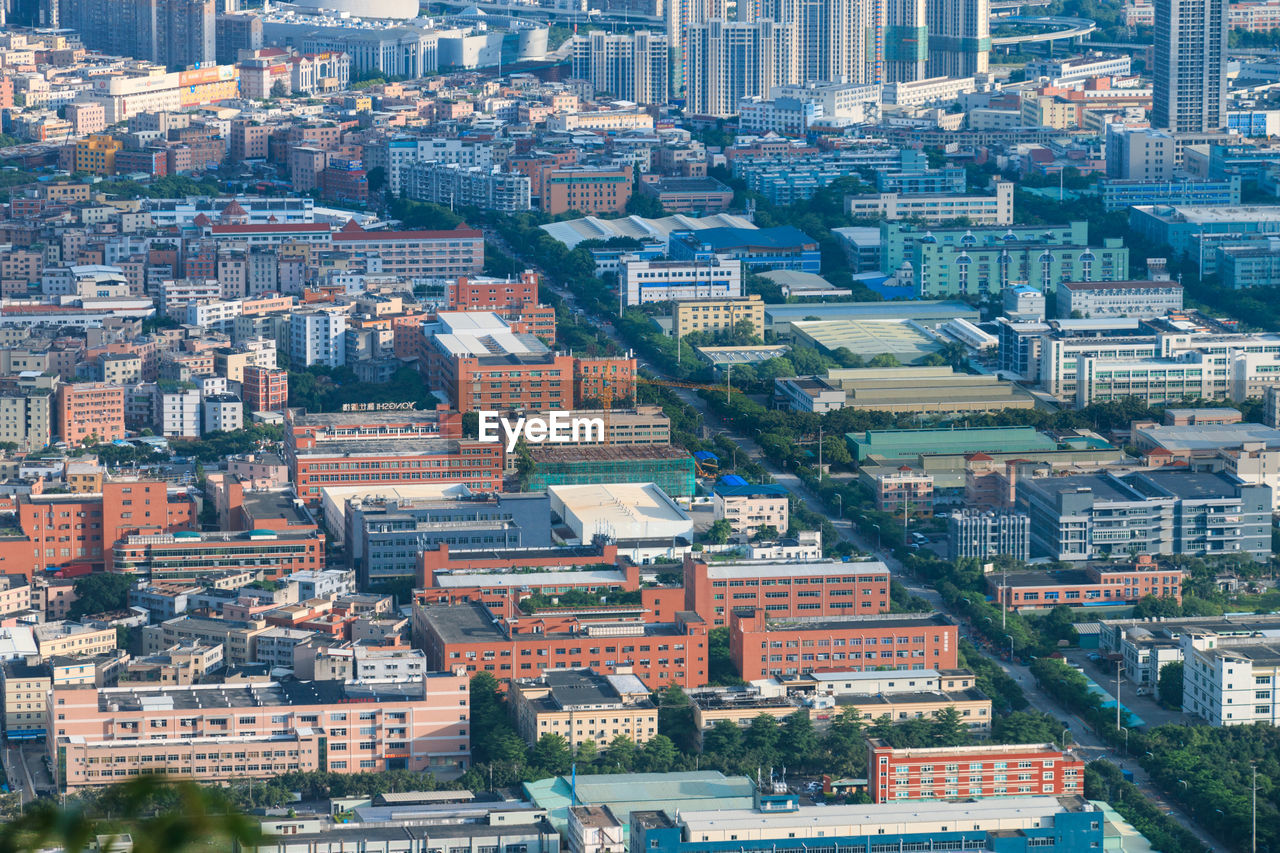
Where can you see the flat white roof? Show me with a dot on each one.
(792, 569)
(907, 817)
(624, 499)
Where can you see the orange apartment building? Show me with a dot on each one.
(80, 529)
(482, 293)
(220, 732)
(473, 636)
(346, 449)
(714, 590)
(1097, 584)
(995, 770)
(586, 189)
(761, 646)
(90, 410)
(265, 389)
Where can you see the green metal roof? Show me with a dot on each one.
(909, 443)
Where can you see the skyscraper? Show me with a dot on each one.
(176, 33)
(900, 45)
(631, 66)
(831, 37)
(959, 37)
(731, 60)
(1190, 65)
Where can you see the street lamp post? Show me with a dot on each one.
(1119, 669)
(1126, 741)
(840, 504)
(1009, 637)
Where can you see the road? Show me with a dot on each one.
(1087, 742)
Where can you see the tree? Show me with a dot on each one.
(659, 754)
(588, 752)
(1169, 685)
(884, 359)
(100, 593)
(949, 728)
(762, 736)
(724, 738)
(551, 753)
(798, 742)
(718, 532)
(621, 753)
(279, 89)
(675, 718)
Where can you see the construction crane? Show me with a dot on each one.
(695, 386)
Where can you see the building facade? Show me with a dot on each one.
(971, 771)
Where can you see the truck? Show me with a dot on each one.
(1127, 774)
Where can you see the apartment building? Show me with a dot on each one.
(714, 590)
(1230, 680)
(25, 687)
(904, 491)
(717, 315)
(74, 639)
(90, 411)
(265, 389)
(989, 210)
(581, 706)
(471, 635)
(429, 254)
(995, 770)
(762, 646)
(214, 733)
(586, 189)
(981, 535)
(238, 638)
(749, 508)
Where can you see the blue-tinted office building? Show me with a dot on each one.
(782, 248)
(1119, 193)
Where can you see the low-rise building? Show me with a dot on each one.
(996, 770)
(581, 706)
(981, 535)
(717, 315)
(644, 281)
(1095, 584)
(1230, 681)
(749, 508)
(264, 730)
(909, 641)
(1089, 299)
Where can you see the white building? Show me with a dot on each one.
(177, 413)
(664, 281)
(223, 413)
(941, 207)
(622, 511)
(326, 583)
(928, 92)
(216, 314)
(1118, 298)
(318, 337)
(629, 66)
(456, 185)
(1071, 69)
(732, 60)
(1231, 681)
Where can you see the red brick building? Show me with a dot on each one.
(493, 294)
(473, 636)
(386, 448)
(761, 647)
(191, 554)
(713, 590)
(1094, 584)
(996, 770)
(90, 410)
(265, 389)
(591, 376)
(63, 530)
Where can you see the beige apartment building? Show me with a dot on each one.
(26, 418)
(73, 639)
(15, 594)
(25, 688)
(749, 508)
(240, 638)
(717, 315)
(581, 706)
